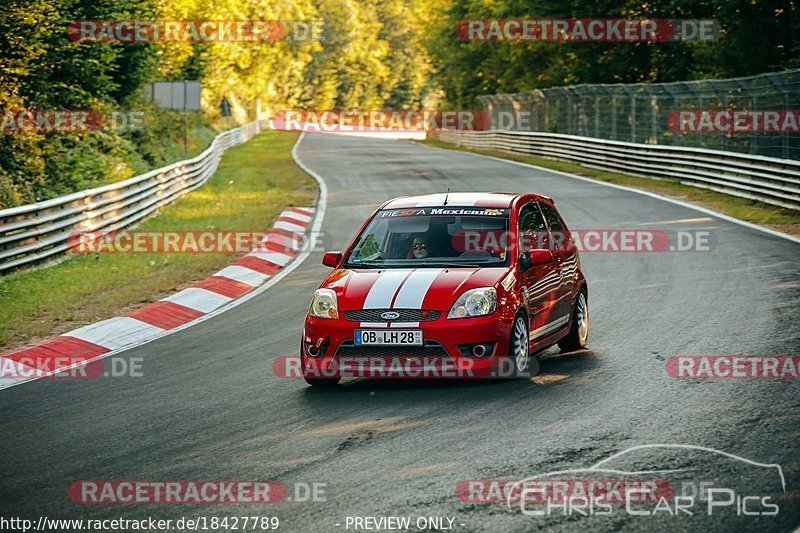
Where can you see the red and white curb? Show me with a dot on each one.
(89, 343)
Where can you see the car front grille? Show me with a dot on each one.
(406, 315)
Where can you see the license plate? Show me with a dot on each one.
(399, 337)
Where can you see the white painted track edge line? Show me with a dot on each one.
(319, 215)
(707, 211)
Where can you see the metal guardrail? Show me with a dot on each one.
(35, 232)
(766, 179)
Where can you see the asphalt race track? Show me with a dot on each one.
(210, 407)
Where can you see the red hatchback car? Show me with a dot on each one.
(467, 279)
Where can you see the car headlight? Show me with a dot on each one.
(323, 304)
(474, 302)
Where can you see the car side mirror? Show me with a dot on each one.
(530, 258)
(331, 259)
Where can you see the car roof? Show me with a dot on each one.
(454, 199)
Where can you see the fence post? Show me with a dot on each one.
(597, 116)
(654, 114)
(753, 134)
(569, 114)
(677, 138)
(784, 135)
(558, 114)
(546, 113)
(614, 117)
(698, 141)
(724, 108)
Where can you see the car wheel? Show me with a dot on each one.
(519, 349)
(579, 332)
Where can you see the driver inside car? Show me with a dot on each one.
(419, 248)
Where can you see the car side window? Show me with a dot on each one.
(532, 229)
(553, 220)
(558, 231)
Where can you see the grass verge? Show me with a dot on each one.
(251, 186)
(786, 220)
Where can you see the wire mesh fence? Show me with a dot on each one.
(754, 115)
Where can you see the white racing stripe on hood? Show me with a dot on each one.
(414, 290)
(410, 286)
(382, 292)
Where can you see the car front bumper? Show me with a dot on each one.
(446, 353)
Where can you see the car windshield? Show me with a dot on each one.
(432, 237)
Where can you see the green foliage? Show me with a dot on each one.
(376, 54)
(758, 37)
(42, 69)
(372, 57)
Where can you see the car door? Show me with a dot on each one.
(539, 282)
(560, 241)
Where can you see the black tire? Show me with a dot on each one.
(579, 332)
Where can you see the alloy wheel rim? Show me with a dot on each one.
(521, 344)
(582, 315)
